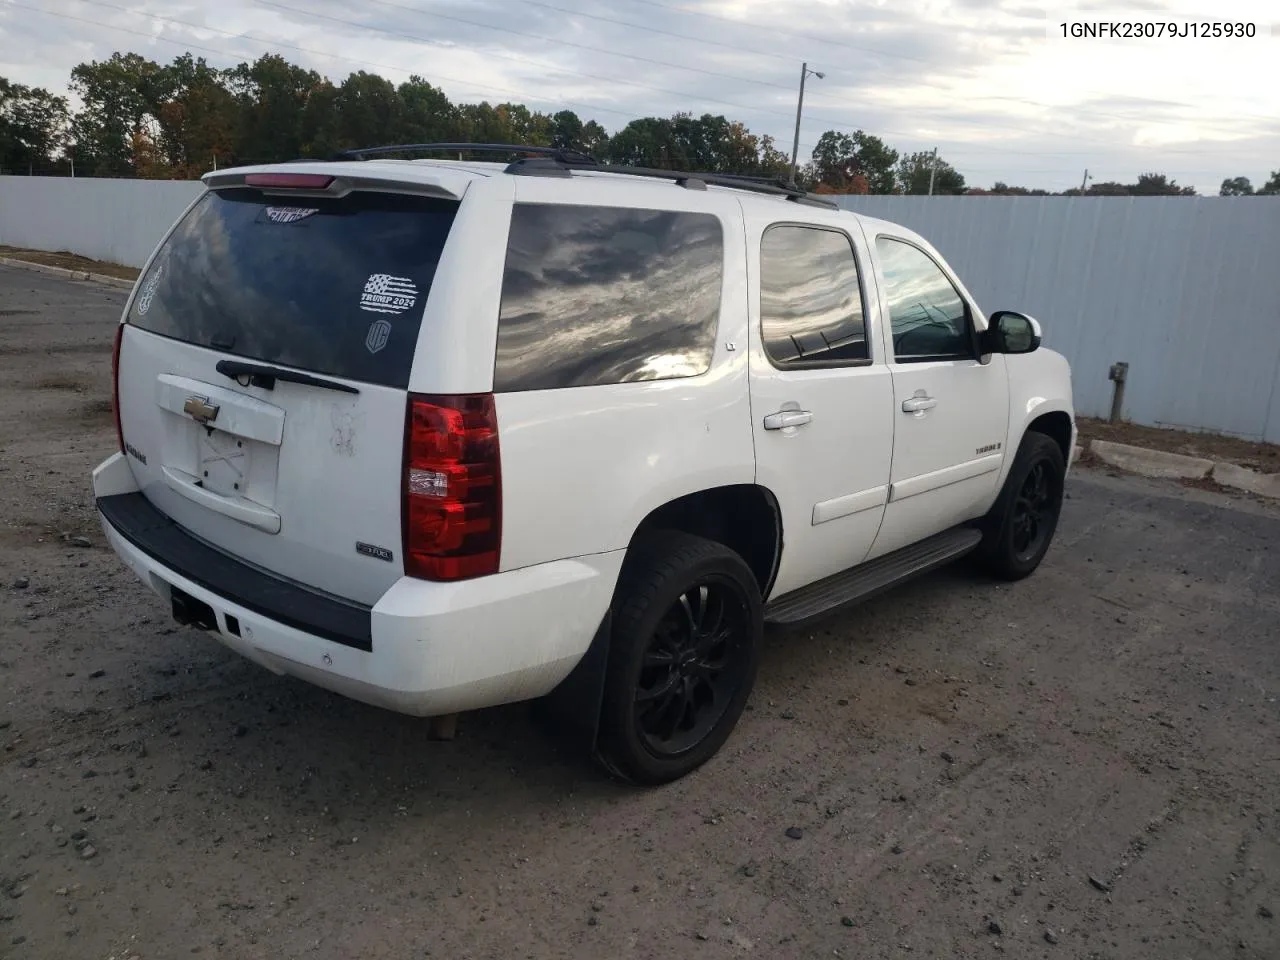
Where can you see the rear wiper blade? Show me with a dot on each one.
(265, 376)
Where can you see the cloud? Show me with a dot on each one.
(979, 79)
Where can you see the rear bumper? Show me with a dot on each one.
(423, 648)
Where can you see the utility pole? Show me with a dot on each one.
(933, 169)
(1084, 184)
(795, 144)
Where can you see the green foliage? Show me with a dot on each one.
(32, 126)
(846, 162)
(118, 95)
(1236, 187)
(914, 171)
(1001, 189)
(273, 121)
(1158, 185)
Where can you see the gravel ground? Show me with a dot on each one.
(1085, 764)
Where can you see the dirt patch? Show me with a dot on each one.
(1207, 483)
(70, 261)
(1263, 457)
(62, 381)
(16, 349)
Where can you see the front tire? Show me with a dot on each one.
(687, 628)
(1021, 525)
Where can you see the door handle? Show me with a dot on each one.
(918, 404)
(787, 418)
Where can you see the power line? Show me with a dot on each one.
(836, 124)
(271, 44)
(534, 36)
(833, 123)
(775, 32)
(778, 32)
(508, 56)
(790, 60)
(735, 47)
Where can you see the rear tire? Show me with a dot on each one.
(687, 629)
(1020, 526)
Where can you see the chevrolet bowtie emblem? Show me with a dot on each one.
(200, 409)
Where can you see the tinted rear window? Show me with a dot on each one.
(596, 295)
(334, 286)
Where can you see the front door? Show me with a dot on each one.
(950, 409)
(821, 395)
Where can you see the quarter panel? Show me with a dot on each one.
(583, 466)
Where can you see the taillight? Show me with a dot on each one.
(452, 509)
(115, 384)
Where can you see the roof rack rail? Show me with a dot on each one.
(559, 162)
(556, 154)
(692, 180)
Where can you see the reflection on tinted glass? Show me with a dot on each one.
(598, 295)
(810, 300)
(334, 286)
(928, 317)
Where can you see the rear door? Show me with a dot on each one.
(263, 376)
(821, 395)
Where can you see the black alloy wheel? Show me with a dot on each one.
(1020, 527)
(692, 666)
(685, 643)
(1035, 511)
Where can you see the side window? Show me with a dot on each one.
(597, 295)
(929, 319)
(810, 298)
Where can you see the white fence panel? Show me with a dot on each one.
(119, 221)
(1185, 289)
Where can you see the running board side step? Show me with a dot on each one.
(867, 579)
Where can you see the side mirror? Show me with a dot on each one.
(1010, 332)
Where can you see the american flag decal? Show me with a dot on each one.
(384, 293)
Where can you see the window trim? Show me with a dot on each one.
(969, 313)
(862, 296)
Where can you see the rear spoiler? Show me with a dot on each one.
(299, 183)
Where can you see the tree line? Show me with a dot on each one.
(140, 118)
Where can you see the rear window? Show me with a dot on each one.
(597, 295)
(332, 285)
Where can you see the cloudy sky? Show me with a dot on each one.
(985, 81)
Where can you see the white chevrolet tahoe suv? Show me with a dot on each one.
(439, 435)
